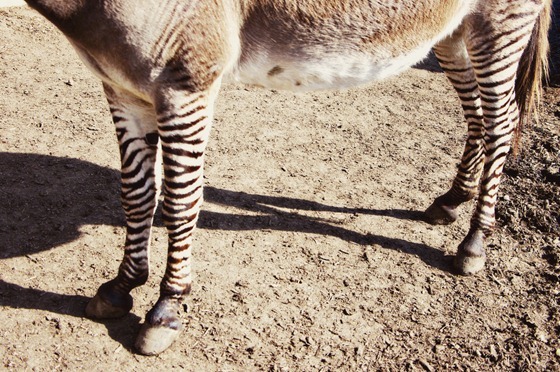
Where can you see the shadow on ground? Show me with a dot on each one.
(47, 199)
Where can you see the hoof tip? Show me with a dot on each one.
(152, 340)
(469, 265)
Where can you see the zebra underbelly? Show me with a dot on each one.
(322, 45)
(331, 71)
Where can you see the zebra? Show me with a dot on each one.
(161, 63)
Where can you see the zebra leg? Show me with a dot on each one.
(138, 141)
(184, 122)
(454, 60)
(496, 39)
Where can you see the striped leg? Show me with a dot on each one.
(495, 38)
(138, 141)
(454, 60)
(184, 122)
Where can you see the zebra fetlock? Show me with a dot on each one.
(443, 210)
(109, 302)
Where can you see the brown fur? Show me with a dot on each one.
(395, 25)
(59, 12)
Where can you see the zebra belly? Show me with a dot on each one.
(329, 72)
(325, 44)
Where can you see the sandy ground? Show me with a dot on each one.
(310, 254)
(10, 3)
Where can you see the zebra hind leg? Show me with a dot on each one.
(454, 60)
(184, 122)
(496, 37)
(140, 175)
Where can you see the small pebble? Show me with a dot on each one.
(493, 352)
(426, 365)
(347, 312)
(439, 349)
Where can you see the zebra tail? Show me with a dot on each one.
(532, 71)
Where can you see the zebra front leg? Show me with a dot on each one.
(184, 122)
(454, 60)
(140, 176)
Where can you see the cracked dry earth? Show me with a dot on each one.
(310, 254)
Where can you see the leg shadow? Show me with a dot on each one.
(272, 218)
(122, 330)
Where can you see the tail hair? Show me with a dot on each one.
(532, 71)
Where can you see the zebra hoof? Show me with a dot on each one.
(107, 304)
(162, 326)
(471, 257)
(152, 340)
(440, 214)
(467, 265)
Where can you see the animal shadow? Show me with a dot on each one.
(46, 199)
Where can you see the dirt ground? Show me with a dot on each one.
(310, 253)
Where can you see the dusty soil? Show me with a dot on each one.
(310, 253)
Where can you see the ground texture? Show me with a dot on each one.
(310, 253)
